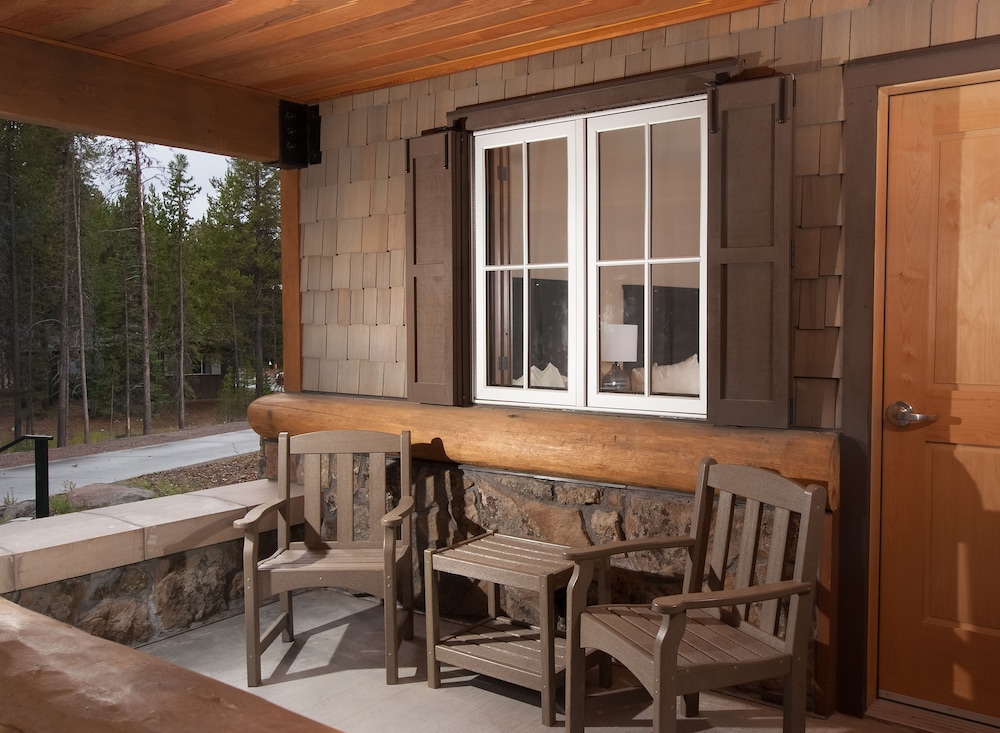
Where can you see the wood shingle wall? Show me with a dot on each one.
(352, 205)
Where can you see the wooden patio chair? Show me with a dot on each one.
(358, 556)
(746, 617)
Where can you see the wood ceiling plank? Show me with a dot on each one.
(311, 51)
(455, 44)
(65, 21)
(385, 64)
(259, 29)
(206, 32)
(150, 17)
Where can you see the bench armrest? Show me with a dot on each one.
(395, 517)
(676, 604)
(251, 522)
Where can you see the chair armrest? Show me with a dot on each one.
(253, 517)
(673, 605)
(395, 517)
(578, 554)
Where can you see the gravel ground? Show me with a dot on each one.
(201, 476)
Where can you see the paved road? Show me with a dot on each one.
(112, 466)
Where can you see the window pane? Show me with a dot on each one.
(504, 328)
(622, 193)
(547, 201)
(674, 329)
(621, 302)
(505, 205)
(675, 188)
(548, 325)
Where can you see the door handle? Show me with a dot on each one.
(902, 414)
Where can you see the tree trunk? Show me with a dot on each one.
(85, 404)
(181, 346)
(147, 400)
(62, 413)
(15, 318)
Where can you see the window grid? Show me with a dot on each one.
(583, 368)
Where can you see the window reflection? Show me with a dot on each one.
(527, 240)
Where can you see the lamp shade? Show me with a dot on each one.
(619, 341)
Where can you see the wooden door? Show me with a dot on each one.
(939, 617)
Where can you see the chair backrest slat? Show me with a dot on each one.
(340, 447)
(776, 555)
(720, 546)
(405, 480)
(701, 518)
(377, 489)
(747, 561)
(345, 496)
(773, 511)
(312, 500)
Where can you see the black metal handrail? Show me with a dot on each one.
(41, 470)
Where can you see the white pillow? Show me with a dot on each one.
(547, 377)
(679, 378)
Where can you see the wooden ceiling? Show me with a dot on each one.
(311, 50)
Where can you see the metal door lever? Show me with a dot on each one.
(902, 414)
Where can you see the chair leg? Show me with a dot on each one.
(288, 633)
(576, 684)
(691, 705)
(665, 709)
(794, 717)
(391, 640)
(252, 622)
(431, 620)
(390, 624)
(408, 601)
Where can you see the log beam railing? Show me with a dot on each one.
(640, 451)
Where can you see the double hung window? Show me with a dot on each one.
(590, 246)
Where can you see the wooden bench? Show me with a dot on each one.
(54, 677)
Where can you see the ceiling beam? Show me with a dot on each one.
(57, 86)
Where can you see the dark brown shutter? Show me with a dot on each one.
(749, 252)
(437, 278)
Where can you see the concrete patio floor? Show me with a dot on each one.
(334, 673)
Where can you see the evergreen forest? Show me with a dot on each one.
(110, 289)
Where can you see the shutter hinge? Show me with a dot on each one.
(713, 100)
(785, 100)
(457, 126)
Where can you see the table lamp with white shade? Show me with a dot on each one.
(618, 344)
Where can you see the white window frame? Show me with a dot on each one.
(647, 115)
(573, 132)
(583, 377)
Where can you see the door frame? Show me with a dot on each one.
(868, 84)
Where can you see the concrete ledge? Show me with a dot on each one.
(70, 545)
(57, 678)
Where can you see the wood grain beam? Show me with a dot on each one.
(291, 268)
(58, 86)
(638, 451)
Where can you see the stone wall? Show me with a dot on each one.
(455, 503)
(153, 599)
